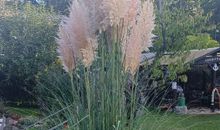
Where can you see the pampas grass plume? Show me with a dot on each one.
(76, 37)
(78, 32)
(139, 38)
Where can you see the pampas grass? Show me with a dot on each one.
(139, 38)
(129, 23)
(115, 10)
(65, 49)
(76, 36)
(108, 48)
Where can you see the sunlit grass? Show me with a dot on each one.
(178, 122)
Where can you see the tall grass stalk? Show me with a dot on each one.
(100, 76)
(97, 91)
(98, 100)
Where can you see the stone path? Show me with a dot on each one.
(202, 111)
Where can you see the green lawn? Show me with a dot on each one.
(154, 121)
(210, 122)
(174, 122)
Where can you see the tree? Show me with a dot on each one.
(27, 41)
(179, 25)
(212, 7)
(201, 41)
(60, 6)
(176, 19)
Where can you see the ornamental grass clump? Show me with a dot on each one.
(100, 45)
(127, 22)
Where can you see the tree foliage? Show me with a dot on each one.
(200, 41)
(176, 19)
(212, 8)
(27, 41)
(60, 6)
(182, 26)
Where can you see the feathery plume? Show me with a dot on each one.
(131, 12)
(114, 10)
(78, 33)
(65, 50)
(96, 14)
(147, 23)
(132, 51)
(75, 33)
(119, 16)
(139, 38)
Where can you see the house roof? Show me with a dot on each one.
(147, 57)
(191, 56)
